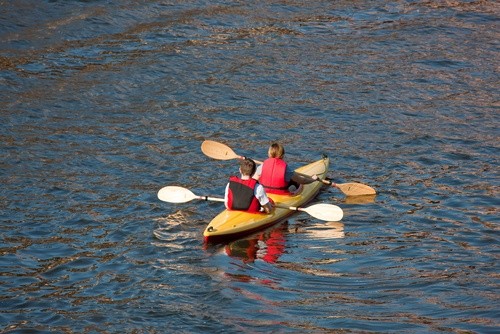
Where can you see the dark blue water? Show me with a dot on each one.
(105, 102)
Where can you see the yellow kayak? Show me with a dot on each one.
(229, 225)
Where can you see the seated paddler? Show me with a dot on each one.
(277, 177)
(245, 193)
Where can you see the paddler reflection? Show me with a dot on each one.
(267, 245)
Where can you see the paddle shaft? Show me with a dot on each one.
(310, 179)
(292, 208)
(217, 199)
(313, 210)
(256, 161)
(328, 182)
(208, 198)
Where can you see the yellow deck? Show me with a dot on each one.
(231, 224)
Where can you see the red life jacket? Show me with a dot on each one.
(241, 195)
(273, 176)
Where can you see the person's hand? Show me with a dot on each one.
(315, 177)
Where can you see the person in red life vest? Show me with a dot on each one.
(276, 176)
(245, 193)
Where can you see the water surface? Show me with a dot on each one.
(105, 102)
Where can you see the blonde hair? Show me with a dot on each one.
(276, 150)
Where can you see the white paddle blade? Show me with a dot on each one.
(217, 150)
(174, 194)
(323, 211)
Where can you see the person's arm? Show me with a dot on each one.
(289, 174)
(264, 201)
(226, 192)
(303, 178)
(258, 172)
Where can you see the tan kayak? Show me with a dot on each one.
(229, 225)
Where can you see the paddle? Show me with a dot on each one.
(175, 194)
(352, 188)
(221, 151)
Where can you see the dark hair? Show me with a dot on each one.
(247, 167)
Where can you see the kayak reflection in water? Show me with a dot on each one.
(267, 246)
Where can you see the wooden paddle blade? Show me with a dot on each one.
(355, 189)
(328, 212)
(363, 199)
(218, 150)
(174, 194)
